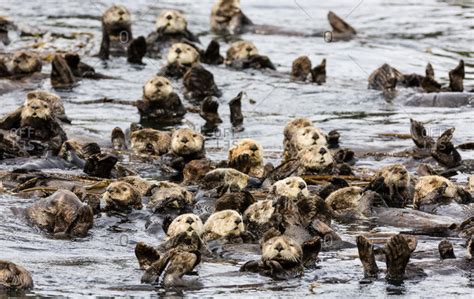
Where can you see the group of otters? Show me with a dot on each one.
(242, 199)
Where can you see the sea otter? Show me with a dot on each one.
(54, 102)
(302, 67)
(21, 64)
(247, 156)
(171, 28)
(180, 58)
(226, 224)
(228, 179)
(244, 55)
(187, 145)
(290, 129)
(117, 39)
(228, 18)
(185, 223)
(150, 142)
(393, 184)
(14, 277)
(160, 104)
(62, 214)
(120, 197)
(199, 84)
(170, 198)
(36, 126)
(195, 171)
(302, 138)
(293, 188)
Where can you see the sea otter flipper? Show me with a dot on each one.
(444, 151)
(146, 255)
(419, 135)
(104, 52)
(367, 256)
(456, 77)
(137, 50)
(153, 273)
(397, 256)
(311, 249)
(236, 116)
(61, 74)
(212, 54)
(318, 73)
(180, 263)
(209, 111)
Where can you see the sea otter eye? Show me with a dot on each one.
(195, 135)
(124, 189)
(288, 183)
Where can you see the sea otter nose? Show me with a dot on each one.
(249, 49)
(184, 140)
(322, 151)
(254, 148)
(238, 221)
(178, 51)
(279, 247)
(34, 107)
(121, 12)
(302, 185)
(190, 221)
(169, 17)
(315, 136)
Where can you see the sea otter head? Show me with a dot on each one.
(308, 136)
(171, 21)
(427, 185)
(294, 188)
(228, 7)
(186, 142)
(150, 142)
(294, 125)
(52, 99)
(167, 195)
(241, 50)
(395, 175)
(117, 16)
(345, 199)
(23, 63)
(248, 147)
(183, 54)
(36, 109)
(185, 223)
(315, 157)
(282, 249)
(259, 212)
(157, 88)
(120, 196)
(233, 178)
(222, 224)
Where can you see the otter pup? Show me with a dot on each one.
(121, 196)
(168, 197)
(14, 277)
(226, 224)
(160, 103)
(150, 142)
(244, 55)
(180, 58)
(393, 184)
(227, 18)
(36, 125)
(171, 28)
(247, 156)
(117, 39)
(20, 65)
(62, 214)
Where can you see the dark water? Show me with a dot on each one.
(405, 34)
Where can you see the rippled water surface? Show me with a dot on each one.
(404, 33)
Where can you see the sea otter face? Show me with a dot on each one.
(14, 277)
(308, 136)
(171, 196)
(25, 63)
(294, 125)
(183, 54)
(157, 88)
(52, 99)
(315, 157)
(259, 212)
(429, 184)
(36, 109)
(395, 175)
(187, 223)
(248, 147)
(282, 248)
(119, 196)
(241, 50)
(187, 142)
(171, 21)
(224, 223)
(150, 142)
(345, 199)
(117, 15)
(294, 188)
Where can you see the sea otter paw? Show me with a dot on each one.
(146, 255)
(367, 256)
(397, 254)
(251, 266)
(241, 163)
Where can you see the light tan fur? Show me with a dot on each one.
(345, 199)
(306, 137)
(315, 158)
(281, 248)
(183, 54)
(25, 63)
(230, 177)
(167, 191)
(292, 126)
(171, 21)
(52, 99)
(117, 14)
(260, 212)
(121, 194)
(428, 184)
(186, 142)
(395, 175)
(34, 108)
(470, 183)
(185, 223)
(240, 50)
(254, 150)
(157, 88)
(294, 188)
(222, 224)
(150, 142)
(140, 184)
(221, 14)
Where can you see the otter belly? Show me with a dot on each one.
(442, 99)
(413, 219)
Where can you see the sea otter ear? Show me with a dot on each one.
(30, 96)
(271, 233)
